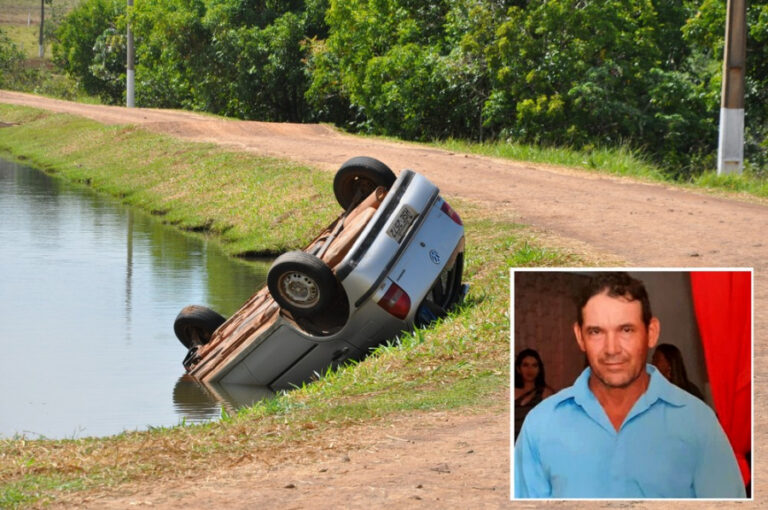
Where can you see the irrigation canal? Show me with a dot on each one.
(89, 290)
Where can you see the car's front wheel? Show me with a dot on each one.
(301, 283)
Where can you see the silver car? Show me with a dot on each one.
(393, 259)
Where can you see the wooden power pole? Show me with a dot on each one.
(42, 22)
(730, 148)
(129, 74)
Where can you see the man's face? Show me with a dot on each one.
(615, 339)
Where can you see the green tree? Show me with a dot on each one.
(403, 68)
(108, 65)
(570, 72)
(76, 37)
(172, 46)
(578, 73)
(257, 71)
(235, 57)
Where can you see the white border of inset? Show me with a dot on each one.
(512, 272)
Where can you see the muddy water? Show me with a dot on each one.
(89, 290)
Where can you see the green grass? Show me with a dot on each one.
(744, 183)
(25, 37)
(16, 12)
(253, 204)
(621, 161)
(20, 20)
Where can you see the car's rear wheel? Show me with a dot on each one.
(195, 325)
(359, 177)
(301, 283)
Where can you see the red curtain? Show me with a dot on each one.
(723, 305)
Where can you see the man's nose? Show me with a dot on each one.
(612, 344)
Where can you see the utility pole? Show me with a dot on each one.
(129, 75)
(730, 148)
(42, 20)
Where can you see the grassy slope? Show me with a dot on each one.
(253, 205)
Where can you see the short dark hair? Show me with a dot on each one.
(615, 284)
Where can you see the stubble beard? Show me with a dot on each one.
(625, 380)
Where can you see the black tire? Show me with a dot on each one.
(301, 283)
(358, 178)
(195, 325)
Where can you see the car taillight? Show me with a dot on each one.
(447, 209)
(396, 302)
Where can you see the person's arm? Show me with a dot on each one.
(531, 480)
(717, 473)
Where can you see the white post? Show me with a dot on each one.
(129, 89)
(730, 147)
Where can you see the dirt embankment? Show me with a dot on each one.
(455, 460)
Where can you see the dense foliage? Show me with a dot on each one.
(76, 52)
(598, 73)
(581, 73)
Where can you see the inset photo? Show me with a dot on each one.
(631, 383)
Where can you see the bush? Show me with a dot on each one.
(12, 71)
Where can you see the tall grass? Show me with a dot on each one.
(622, 161)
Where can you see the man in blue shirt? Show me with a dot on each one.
(622, 430)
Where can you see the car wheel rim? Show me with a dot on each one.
(299, 289)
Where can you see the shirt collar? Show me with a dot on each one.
(661, 389)
(658, 389)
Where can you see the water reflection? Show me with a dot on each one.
(198, 401)
(89, 289)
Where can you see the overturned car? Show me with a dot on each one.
(392, 259)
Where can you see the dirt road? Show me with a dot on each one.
(637, 224)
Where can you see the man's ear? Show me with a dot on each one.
(654, 330)
(579, 338)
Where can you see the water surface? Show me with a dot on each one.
(89, 289)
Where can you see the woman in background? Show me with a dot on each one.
(530, 385)
(669, 361)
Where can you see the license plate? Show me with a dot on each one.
(404, 219)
